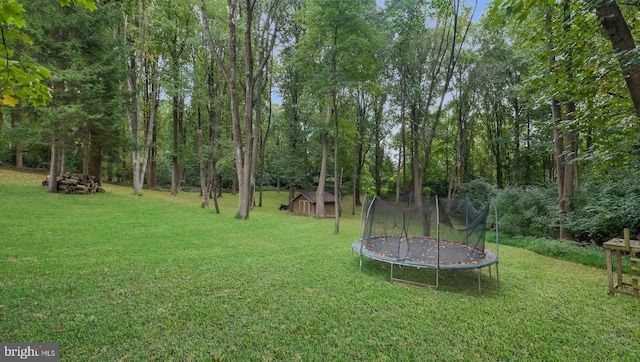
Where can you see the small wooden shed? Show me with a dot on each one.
(305, 204)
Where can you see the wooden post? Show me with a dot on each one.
(627, 240)
(619, 267)
(634, 272)
(607, 252)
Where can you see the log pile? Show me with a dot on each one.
(73, 183)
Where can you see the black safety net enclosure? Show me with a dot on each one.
(426, 233)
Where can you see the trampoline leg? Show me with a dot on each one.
(391, 271)
(479, 287)
(497, 276)
(360, 262)
(437, 278)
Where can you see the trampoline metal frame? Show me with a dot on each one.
(490, 258)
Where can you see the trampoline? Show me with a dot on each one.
(431, 234)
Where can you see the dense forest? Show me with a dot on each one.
(534, 102)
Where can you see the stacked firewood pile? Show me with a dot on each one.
(69, 183)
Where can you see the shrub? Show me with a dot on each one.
(566, 250)
(528, 211)
(479, 192)
(603, 209)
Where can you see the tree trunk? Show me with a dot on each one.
(292, 193)
(19, 163)
(133, 116)
(263, 138)
(246, 181)
(135, 64)
(357, 154)
(152, 164)
(623, 44)
(323, 168)
(257, 141)
(213, 91)
(358, 150)
(243, 142)
(558, 141)
(175, 169)
(95, 167)
(55, 166)
(378, 115)
(123, 168)
(95, 158)
(415, 155)
(231, 80)
(336, 177)
(202, 165)
(213, 184)
(499, 171)
(570, 154)
(401, 170)
(517, 172)
(454, 55)
(16, 113)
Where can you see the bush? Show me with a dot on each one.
(530, 211)
(566, 250)
(478, 192)
(603, 209)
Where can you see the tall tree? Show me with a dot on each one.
(579, 80)
(208, 100)
(427, 53)
(137, 56)
(82, 119)
(623, 44)
(464, 118)
(267, 13)
(291, 88)
(339, 47)
(615, 26)
(565, 138)
(174, 24)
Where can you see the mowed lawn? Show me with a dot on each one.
(115, 277)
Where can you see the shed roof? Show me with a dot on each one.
(311, 196)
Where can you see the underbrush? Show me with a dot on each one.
(585, 254)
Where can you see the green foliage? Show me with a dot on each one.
(12, 14)
(338, 48)
(585, 70)
(23, 79)
(87, 4)
(590, 255)
(87, 107)
(602, 209)
(478, 191)
(528, 211)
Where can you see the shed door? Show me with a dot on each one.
(305, 207)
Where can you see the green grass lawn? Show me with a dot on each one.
(115, 276)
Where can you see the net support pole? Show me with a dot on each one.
(437, 240)
(391, 278)
(495, 208)
(363, 223)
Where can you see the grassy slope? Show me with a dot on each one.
(114, 276)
